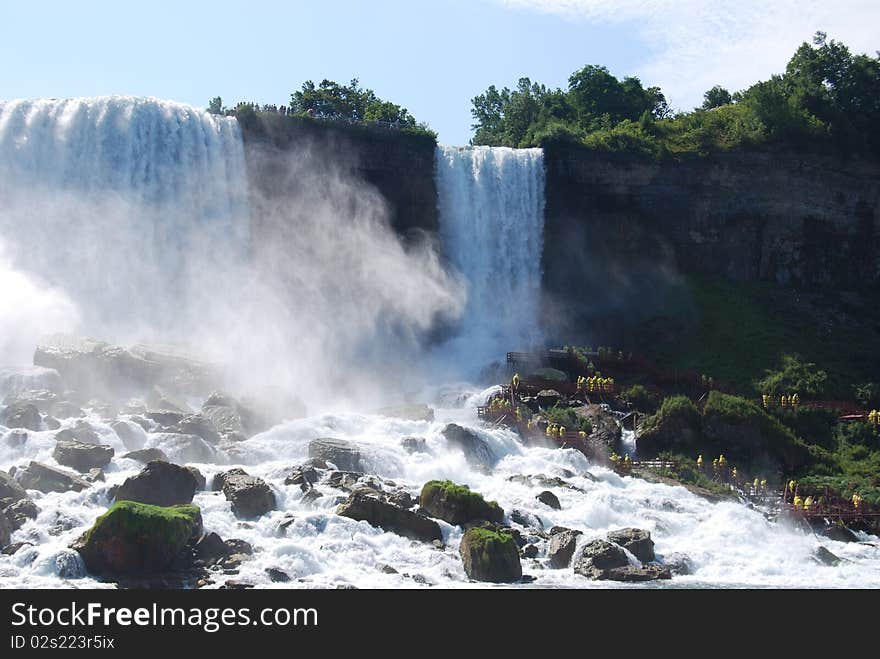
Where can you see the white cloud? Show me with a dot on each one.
(695, 44)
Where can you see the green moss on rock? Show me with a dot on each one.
(489, 554)
(457, 504)
(137, 538)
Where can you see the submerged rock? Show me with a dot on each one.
(135, 538)
(549, 499)
(201, 426)
(147, 455)
(251, 497)
(457, 504)
(825, 557)
(186, 448)
(81, 456)
(490, 555)
(132, 435)
(37, 476)
(414, 444)
(159, 484)
(378, 512)
(476, 451)
(345, 455)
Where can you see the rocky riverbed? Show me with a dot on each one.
(412, 495)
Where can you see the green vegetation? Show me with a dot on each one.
(640, 399)
(794, 376)
(738, 330)
(332, 102)
(826, 98)
(487, 543)
(457, 504)
(173, 525)
(568, 418)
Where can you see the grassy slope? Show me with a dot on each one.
(742, 328)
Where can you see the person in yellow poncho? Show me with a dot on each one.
(700, 462)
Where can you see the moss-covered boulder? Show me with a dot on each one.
(457, 504)
(378, 511)
(133, 539)
(489, 554)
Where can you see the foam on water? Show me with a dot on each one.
(729, 545)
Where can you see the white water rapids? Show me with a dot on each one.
(175, 176)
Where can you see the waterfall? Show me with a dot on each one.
(107, 200)
(491, 203)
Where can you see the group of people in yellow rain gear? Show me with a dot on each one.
(621, 465)
(595, 383)
(785, 400)
(874, 418)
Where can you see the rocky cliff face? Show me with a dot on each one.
(619, 228)
(399, 166)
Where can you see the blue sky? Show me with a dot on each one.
(430, 56)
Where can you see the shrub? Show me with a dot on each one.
(567, 417)
(640, 398)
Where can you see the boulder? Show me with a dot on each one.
(82, 431)
(147, 455)
(16, 382)
(490, 555)
(21, 414)
(37, 476)
(231, 417)
(302, 476)
(457, 504)
(345, 455)
(410, 412)
(51, 423)
(16, 438)
(201, 426)
(562, 546)
(679, 563)
(186, 448)
(277, 576)
(95, 475)
(598, 557)
(211, 548)
(11, 550)
(159, 484)
(6, 531)
(529, 551)
(630, 573)
(44, 399)
(414, 444)
(66, 410)
(166, 418)
(476, 451)
(82, 456)
(19, 512)
(549, 499)
(605, 429)
(378, 512)
(548, 398)
(251, 497)
(825, 557)
(133, 539)
(10, 489)
(201, 481)
(526, 518)
(838, 532)
(635, 541)
(133, 437)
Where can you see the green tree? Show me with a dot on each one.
(216, 106)
(716, 97)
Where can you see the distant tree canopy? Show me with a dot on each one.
(716, 97)
(826, 96)
(329, 100)
(350, 102)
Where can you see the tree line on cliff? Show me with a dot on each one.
(827, 96)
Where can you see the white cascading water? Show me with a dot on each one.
(491, 203)
(111, 200)
(728, 544)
